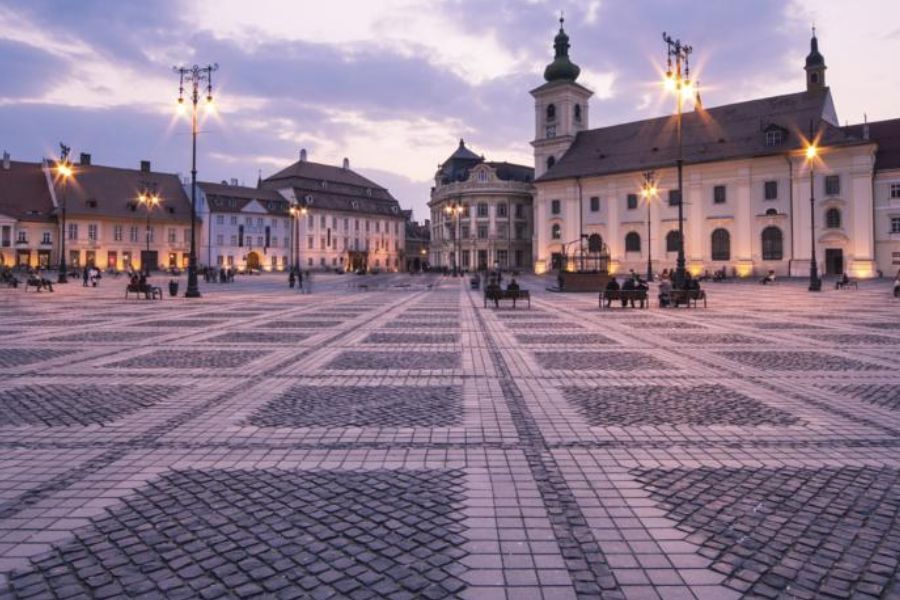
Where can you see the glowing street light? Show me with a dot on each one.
(678, 80)
(815, 284)
(64, 171)
(149, 198)
(454, 210)
(194, 76)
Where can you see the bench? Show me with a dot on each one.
(38, 283)
(842, 285)
(150, 292)
(498, 296)
(689, 298)
(626, 296)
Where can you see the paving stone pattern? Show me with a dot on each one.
(75, 405)
(377, 406)
(407, 442)
(673, 405)
(369, 534)
(790, 533)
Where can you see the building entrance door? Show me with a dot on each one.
(357, 261)
(44, 259)
(149, 260)
(253, 261)
(834, 261)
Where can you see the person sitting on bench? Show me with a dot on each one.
(843, 282)
(513, 288)
(665, 292)
(628, 286)
(769, 278)
(611, 286)
(492, 291)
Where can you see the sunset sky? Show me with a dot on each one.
(393, 85)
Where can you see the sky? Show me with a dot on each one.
(394, 84)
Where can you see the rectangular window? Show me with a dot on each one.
(322, 221)
(133, 233)
(482, 210)
(150, 233)
(464, 232)
(502, 231)
(719, 194)
(674, 198)
(595, 204)
(555, 207)
(92, 232)
(309, 242)
(172, 235)
(46, 238)
(220, 239)
(234, 240)
(501, 210)
(832, 185)
(519, 256)
(482, 232)
(895, 190)
(377, 226)
(520, 231)
(502, 258)
(248, 220)
(367, 227)
(520, 211)
(233, 219)
(73, 231)
(21, 237)
(465, 211)
(311, 221)
(187, 236)
(771, 190)
(220, 219)
(259, 221)
(117, 233)
(895, 224)
(631, 201)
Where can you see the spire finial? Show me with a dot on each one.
(562, 18)
(814, 28)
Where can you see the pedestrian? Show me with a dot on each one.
(291, 279)
(84, 277)
(308, 281)
(299, 281)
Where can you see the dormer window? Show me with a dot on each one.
(774, 136)
(482, 176)
(324, 184)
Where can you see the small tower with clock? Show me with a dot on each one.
(560, 105)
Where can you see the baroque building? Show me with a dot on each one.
(481, 213)
(746, 183)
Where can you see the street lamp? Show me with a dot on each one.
(648, 192)
(454, 209)
(815, 284)
(194, 76)
(64, 170)
(150, 199)
(297, 211)
(679, 82)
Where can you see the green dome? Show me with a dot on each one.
(561, 69)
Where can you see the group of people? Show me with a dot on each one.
(632, 283)
(90, 276)
(301, 280)
(220, 275)
(493, 288)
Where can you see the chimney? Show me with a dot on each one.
(346, 164)
(303, 155)
(85, 159)
(234, 181)
(145, 166)
(865, 127)
(5, 161)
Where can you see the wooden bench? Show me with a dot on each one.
(840, 285)
(150, 292)
(688, 298)
(626, 296)
(498, 296)
(38, 283)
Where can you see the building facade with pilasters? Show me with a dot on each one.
(746, 183)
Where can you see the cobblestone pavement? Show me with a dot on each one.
(405, 442)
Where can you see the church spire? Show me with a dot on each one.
(561, 69)
(815, 65)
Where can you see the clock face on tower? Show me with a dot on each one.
(551, 131)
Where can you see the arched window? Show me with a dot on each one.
(672, 241)
(632, 242)
(771, 212)
(595, 243)
(721, 244)
(550, 162)
(551, 112)
(556, 231)
(833, 218)
(772, 243)
(578, 113)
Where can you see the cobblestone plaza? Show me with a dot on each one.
(404, 442)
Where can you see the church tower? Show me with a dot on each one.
(560, 107)
(815, 66)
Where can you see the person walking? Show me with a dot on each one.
(309, 282)
(84, 277)
(291, 279)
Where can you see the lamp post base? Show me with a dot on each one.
(815, 283)
(63, 276)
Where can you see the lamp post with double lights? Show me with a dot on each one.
(194, 77)
(64, 170)
(149, 199)
(297, 212)
(678, 80)
(815, 284)
(455, 209)
(648, 192)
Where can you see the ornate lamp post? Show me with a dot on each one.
(815, 284)
(297, 212)
(194, 76)
(678, 81)
(149, 199)
(648, 192)
(64, 171)
(454, 209)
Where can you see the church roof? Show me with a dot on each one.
(728, 132)
(462, 161)
(887, 135)
(24, 194)
(562, 68)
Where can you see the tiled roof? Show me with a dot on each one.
(24, 194)
(112, 192)
(223, 197)
(725, 132)
(887, 135)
